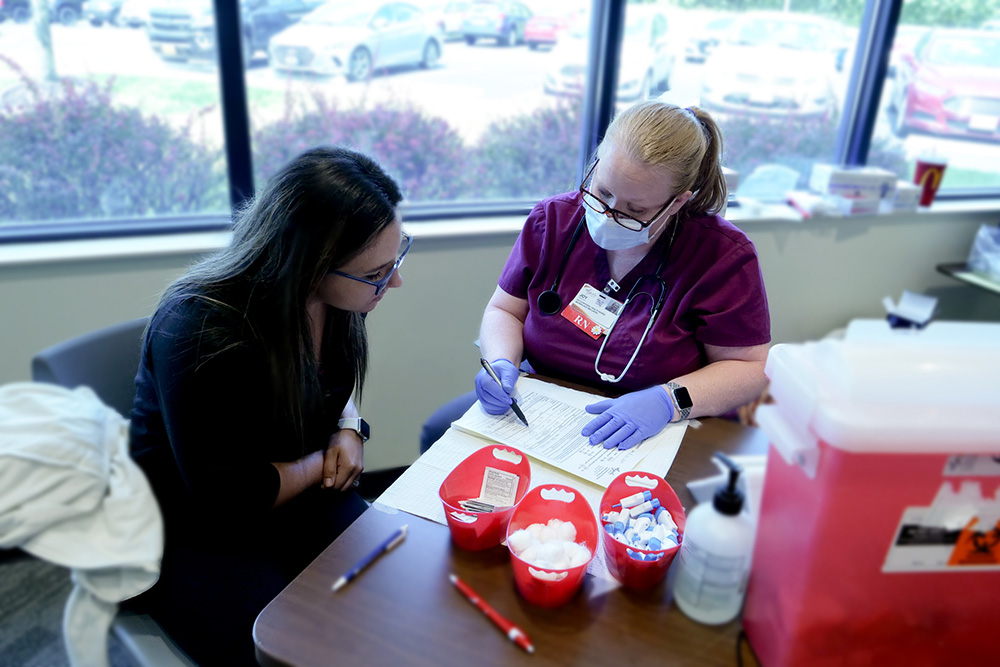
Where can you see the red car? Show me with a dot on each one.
(544, 27)
(950, 85)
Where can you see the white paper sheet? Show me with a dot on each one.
(555, 416)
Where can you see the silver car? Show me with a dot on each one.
(647, 58)
(774, 64)
(354, 41)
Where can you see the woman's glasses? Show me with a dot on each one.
(624, 219)
(382, 283)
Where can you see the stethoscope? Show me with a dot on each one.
(550, 303)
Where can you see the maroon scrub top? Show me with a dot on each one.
(715, 296)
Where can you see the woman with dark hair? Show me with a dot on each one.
(244, 420)
(633, 284)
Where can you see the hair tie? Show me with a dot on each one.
(691, 111)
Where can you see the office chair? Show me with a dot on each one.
(107, 361)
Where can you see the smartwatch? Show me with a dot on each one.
(356, 424)
(681, 398)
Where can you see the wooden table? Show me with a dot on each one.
(403, 610)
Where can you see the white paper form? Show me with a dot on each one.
(556, 415)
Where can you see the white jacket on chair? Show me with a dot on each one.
(70, 494)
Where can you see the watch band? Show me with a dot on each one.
(681, 398)
(356, 424)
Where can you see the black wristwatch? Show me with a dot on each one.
(681, 398)
(356, 424)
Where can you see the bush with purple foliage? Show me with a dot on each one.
(72, 153)
(425, 155)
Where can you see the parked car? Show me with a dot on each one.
(548, 21)
(452, 16)
(772, 63)
(906, 38)
(703, 40)
(99, 12)
(353, 41)
(181, 30)
(502, 20)
(950, 85)
(647, 59)
(134, 13)
(18, 11)
(66, 12)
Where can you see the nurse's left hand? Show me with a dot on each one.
(626, 421)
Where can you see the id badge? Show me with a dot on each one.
(592, 311)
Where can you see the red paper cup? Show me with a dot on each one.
(541, 586)
(928, 175)
(633, 573)
(475, 531)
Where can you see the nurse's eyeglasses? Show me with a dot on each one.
(383, 282)
(624, 219)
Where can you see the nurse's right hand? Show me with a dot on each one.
(495, 398)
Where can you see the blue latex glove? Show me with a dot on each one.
(494, 398)
(626, 421)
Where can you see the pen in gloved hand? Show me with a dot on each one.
(513, 402)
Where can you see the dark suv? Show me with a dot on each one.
(182, 30)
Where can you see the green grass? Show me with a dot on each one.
(956, 177)
(169, 97)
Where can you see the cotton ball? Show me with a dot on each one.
(547, 534)
(536, 529)
(580, 555)
(566, 531)
(551, 551)
(529, 554)
(520, 540)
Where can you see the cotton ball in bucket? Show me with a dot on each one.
(577, 554)
(551, 550)
(520, 540)
(563, 530)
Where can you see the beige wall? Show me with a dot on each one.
(819, 275)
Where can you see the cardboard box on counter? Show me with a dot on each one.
(866, 182)
(812, 205)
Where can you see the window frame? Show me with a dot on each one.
(861, 108)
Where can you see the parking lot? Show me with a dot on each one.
(471, 86)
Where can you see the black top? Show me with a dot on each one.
(206, 425)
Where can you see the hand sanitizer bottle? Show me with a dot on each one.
(714, 561)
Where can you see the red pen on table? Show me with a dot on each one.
(514, 633)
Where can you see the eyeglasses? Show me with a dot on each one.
(624, 219)
(382, 283)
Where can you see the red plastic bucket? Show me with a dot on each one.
(481, 530)
(541, 586)
(631, 572)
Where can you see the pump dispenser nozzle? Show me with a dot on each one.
(728, 499)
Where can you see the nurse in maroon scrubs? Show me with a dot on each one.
(635, 285)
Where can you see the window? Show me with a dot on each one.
(101, 122)
(942, 94)
(130, 115)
